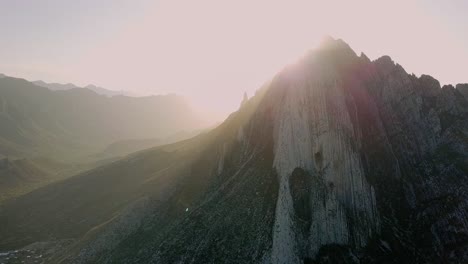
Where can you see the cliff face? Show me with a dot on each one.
(338, 159)
(313, 131)
(382, 156)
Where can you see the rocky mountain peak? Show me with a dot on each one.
(331, 44)
(245, 98)
(333, 51)
(430, 83)
(385, 62)
(328, 113)
(364, 57)
(463, 89)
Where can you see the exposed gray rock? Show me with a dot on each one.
(463, 89)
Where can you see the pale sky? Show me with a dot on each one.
(211, 51)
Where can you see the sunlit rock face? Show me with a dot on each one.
(314, 132)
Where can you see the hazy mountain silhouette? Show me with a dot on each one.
(77, 128)
(92, 87)
(338, 159)
(73, 123)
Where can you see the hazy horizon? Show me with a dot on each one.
(211, 52)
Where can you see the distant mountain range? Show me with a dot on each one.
(92, 87)
(69, 86)
(68, 123)
(75, 129)
(338, 159)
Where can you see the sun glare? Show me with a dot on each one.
(213, 51)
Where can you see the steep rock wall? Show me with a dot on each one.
(313, 131)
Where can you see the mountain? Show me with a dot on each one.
(56, 86)
(69, 86)
(69, 124)
(103, 91)
(338, 159)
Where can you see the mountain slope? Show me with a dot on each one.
(125, 147)
(20, 176)
(78, 122)
(337, 160)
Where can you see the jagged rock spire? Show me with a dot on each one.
(244, 99)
